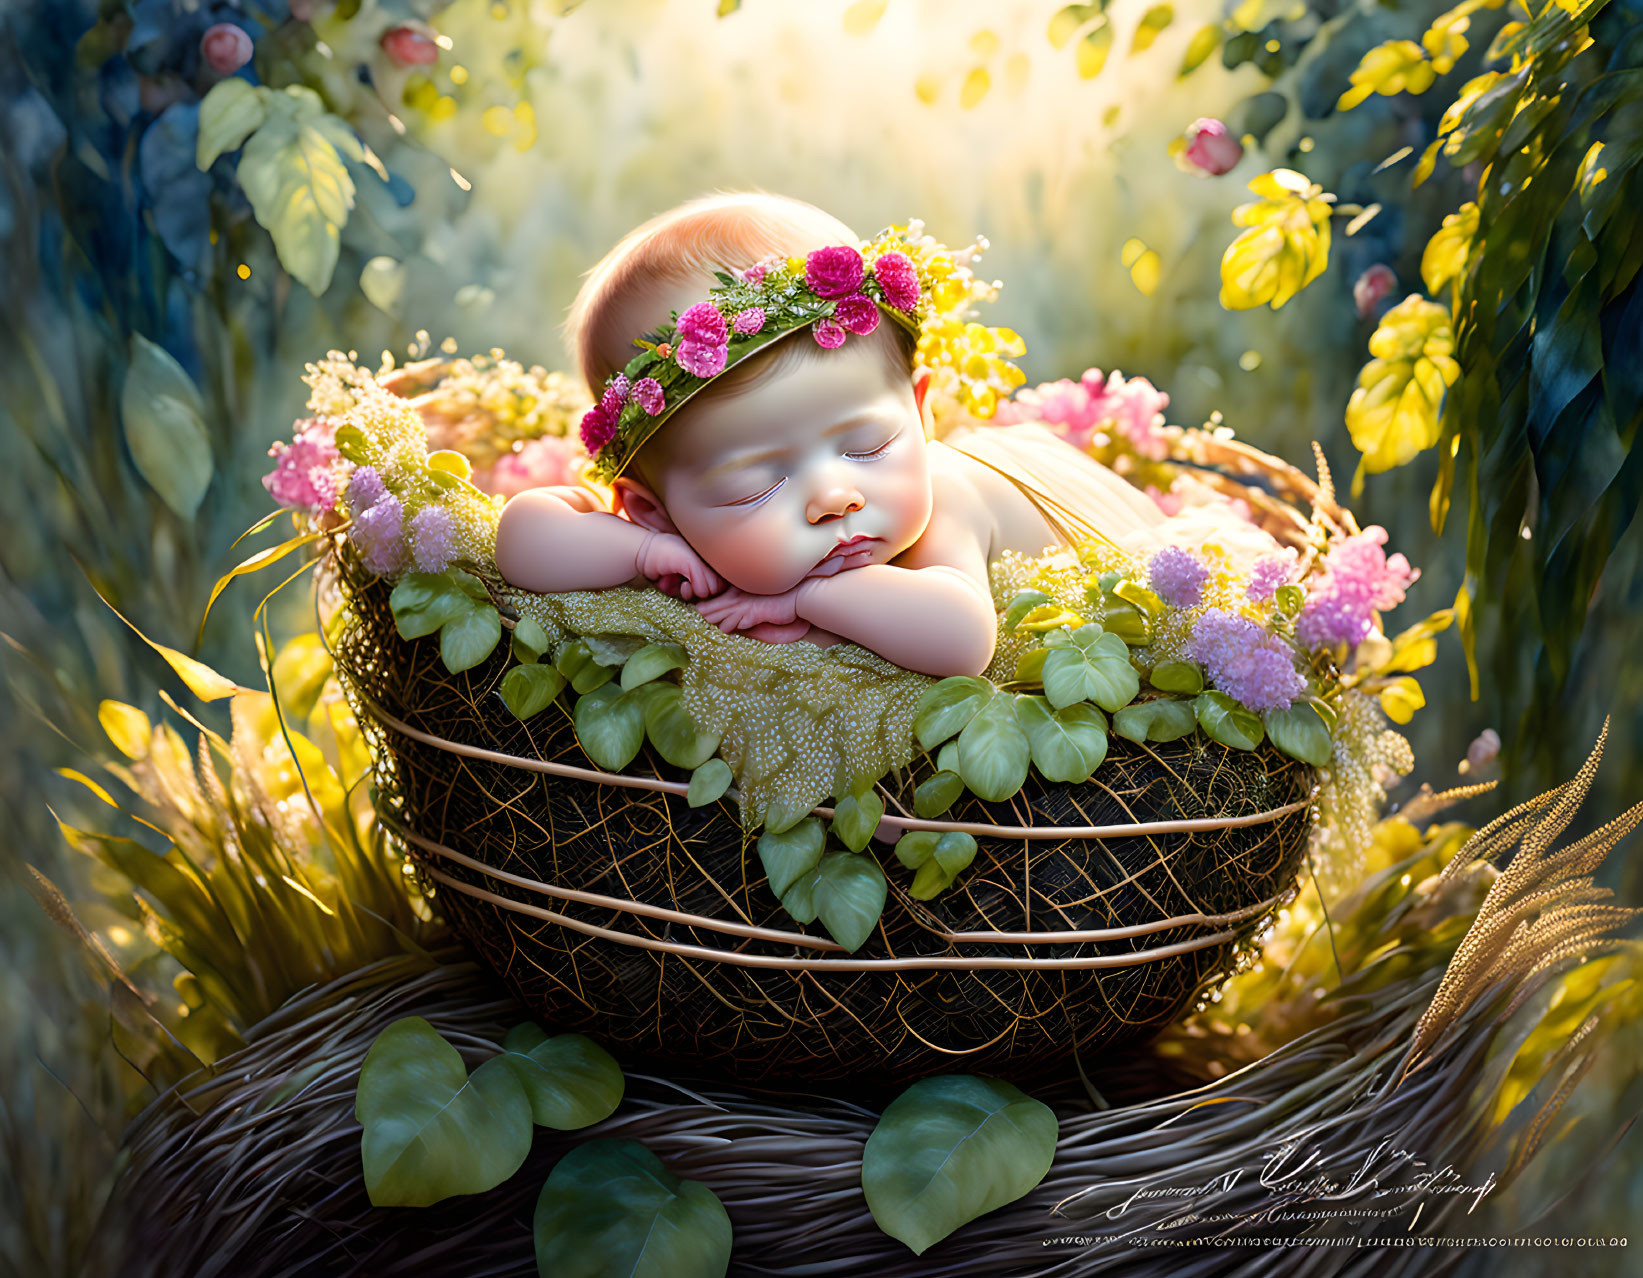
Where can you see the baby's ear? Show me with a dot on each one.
(642, 506)
(921, 387)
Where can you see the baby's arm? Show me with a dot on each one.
(556, 539)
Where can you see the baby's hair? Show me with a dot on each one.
(686, 244)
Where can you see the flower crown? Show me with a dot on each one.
(834, 291)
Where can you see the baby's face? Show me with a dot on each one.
(769, 484)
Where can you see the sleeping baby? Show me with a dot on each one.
(792, 492)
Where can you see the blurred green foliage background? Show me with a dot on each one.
(478, 156)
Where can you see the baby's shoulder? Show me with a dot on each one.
(959, 478)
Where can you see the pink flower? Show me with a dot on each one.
(1169, 503)
(898, 279)
(408, 47)
(610, 403)
(225, 47)
(1133, 407)
(433, 540)
(1211, 149)
(304, 474)
(1358, 580)
(755, 274)
(1483, 750)
(703, 325)
(1178, 576)
(701, 359)
(542, 462)
(1372, 286)
(598, 428)
(857, 314)
(749, 321)
(621, 386)
(828, 334)
(1270, 572)
(835, 271)
(648, 391)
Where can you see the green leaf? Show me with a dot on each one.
(1290, 599)
(1068, 744)
(1092, 666)
(164, 421)
(1206, 42)
(529, 638)
(431, 1130)
(952, 1148)
(469, 638)
(1024, 603)
(948, 707)
(576, 663)
(671, 727)
(789, 856)
(610, 727)
(708, 783)
(856, 817)
(936, 795)
(610, 1207)
(422, 602)
(1224, 720)
(529, 690)
(916, 847)
(652, 661)
(230, 113)
(301, 193)
(848, 893)
(1177, 676)
(1300, 732)
(382, 280)
(1162, 720)
(993, 751)
(951, 854)
(352, 444)
(569, 1079)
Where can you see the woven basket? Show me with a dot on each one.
(1092, 916)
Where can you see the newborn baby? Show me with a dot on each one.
(796, 494)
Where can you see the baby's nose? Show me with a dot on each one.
(834, 502)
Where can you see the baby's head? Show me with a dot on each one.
(779, 462)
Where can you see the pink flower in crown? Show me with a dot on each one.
(749, 321)
(703, 324)
(700, 359)
(648, 391)
(598, 428)
(755, 274)
(610, 403)
(898, 279)
(857, 314)
(828, 334)
(835, 271)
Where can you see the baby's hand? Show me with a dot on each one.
(668, 560)
(737, 610)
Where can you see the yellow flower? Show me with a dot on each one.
(1392, 67)
(1393, 413)
(1447, 250)
(1286, 246)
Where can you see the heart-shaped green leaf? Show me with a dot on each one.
(948, 706)
(164, 420)
(610, 727)
(936, 795)
(1067, 745)
(1177, 676)
(432, 1130)
(856, 816)
(530, 640)
(570, 1080)
(1164, 719)
(422, 602)
(529, 690)
(651, 662)
(952, 1148)
(576, 663)
(671, 727)
(1094, 666)
(790, 855)
(470, 637)
(708, 783)
(1228, 722)
(230, 113)
(611, 1208)
(846, 891)
(1300, 732)
(951, 854)
(993, 752)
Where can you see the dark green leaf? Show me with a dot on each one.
(790, 855)
(469, 638)
(1067, 745)
(856, 816)
(610, 727)
(1224, 720)
(937, 794)
(569, 1079)
(529, 690)
(708, 783)
(1301, 733)
(652, 661)
(993, 751)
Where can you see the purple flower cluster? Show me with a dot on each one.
(1359, 580)
(1270, 572)
(379, 536)
(433, 540)
(1177, 576)
(1245, 661)
(365, 489)
(304, 474)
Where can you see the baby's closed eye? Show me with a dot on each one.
(869, 454)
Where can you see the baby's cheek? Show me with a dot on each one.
(755, 554)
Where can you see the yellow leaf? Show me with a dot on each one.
(1153, 23)
(1093, 50)
(204, 682)
(863, 16)
(975, 87)
(1427, 162)
(928, 89)
(1396, 66)
(69, 774)
(127, 727)
(1446, 43)
(451, 462)
(1067, 20)
(1393, 413)
(984, 43)
(255, 563)
(1206, 42)
(1145, 273)
(1285, 247)
(1447, 250)
(1469, 93)
(1401, 698)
